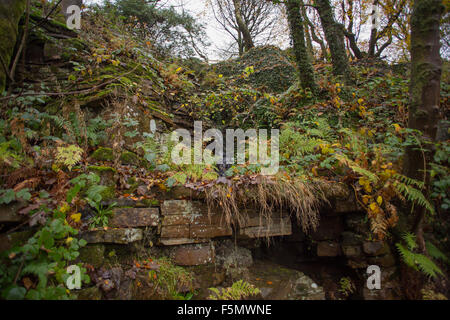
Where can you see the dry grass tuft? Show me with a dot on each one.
(271, 196)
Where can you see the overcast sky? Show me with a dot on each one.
(198, 9)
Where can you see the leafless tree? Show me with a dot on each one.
(248, 22)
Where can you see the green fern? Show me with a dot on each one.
(69, 156)
(410, 240)
(413, 195)
(409, 181)
(435, 253)
(238, 291)
(298, 144)
(415, 260)
(407, 256)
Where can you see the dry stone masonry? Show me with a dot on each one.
(194, 236)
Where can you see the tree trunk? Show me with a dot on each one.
(335, 38)
(315, 38)
(247, 37)
(374, 33)
(309, 44)
(305, 68)
(424, 110)
(10, 13)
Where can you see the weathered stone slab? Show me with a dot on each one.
(190, 220)
(178, 193)
(174, 220)
(7, 241)
(209, 231)
(119, 236)
(282, 228)
(130, 203)
(10, 212)
(175, 232)
(351, 250)
(388, 260)
(135, 217)
(328, 249)
(193, 255)
(180, 241)
(253, 218)
(375, 248)
(183, 208)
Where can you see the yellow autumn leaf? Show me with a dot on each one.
(76, 217)
(64, 208)
(69, 240)
(373, 206)
(379, 200)
(362, 181)
(366, 199)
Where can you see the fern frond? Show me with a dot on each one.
(357, 168)
(427, 266)
(418, 261)
(410, 239)
(435, 253)
(408, 257)
(239, 290)
(409, 181)
(413, 195)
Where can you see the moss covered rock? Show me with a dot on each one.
(103, 154)
(93, 255)
(130, 158)
(108, 178)
(273, 69)
(10, 13)
(92, 293)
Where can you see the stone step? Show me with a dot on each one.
(117, 236)
(135, 217)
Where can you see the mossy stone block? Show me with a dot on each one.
(103, 154)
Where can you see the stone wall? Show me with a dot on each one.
(184, 229)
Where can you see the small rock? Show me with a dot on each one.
(328, 249)
(375, 248)
(10, 212)
(192, 255)
(386, 261)
(92, 293)
(351, 251)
